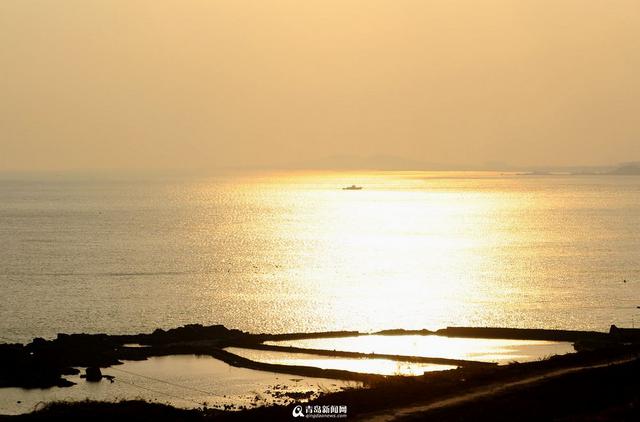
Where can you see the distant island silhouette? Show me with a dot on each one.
(632, 169)
(381, 162)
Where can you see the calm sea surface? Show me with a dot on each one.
(294, 252)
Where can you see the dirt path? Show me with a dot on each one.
(486, 391)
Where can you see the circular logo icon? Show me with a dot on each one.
(297, 412)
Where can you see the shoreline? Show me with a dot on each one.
(44, 363)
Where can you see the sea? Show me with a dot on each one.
(295, 252)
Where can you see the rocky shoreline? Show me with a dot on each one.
(44, 363)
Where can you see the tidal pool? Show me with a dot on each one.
(364, 365)
(186, 381)
(486, 350)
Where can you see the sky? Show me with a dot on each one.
(204, 84)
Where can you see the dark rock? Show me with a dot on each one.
(69, 371)
(93, 374)
(191, 332)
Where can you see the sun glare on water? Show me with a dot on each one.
(403, 241)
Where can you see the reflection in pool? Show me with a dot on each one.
(186, 381)
(369, 366)
(487, 350)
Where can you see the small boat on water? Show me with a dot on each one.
(352, 187)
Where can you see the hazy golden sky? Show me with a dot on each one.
(111, 84)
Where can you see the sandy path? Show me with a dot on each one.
(486, 391)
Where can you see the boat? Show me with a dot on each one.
(352, 187)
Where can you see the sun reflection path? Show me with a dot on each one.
(411, 250)
(400, 243)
